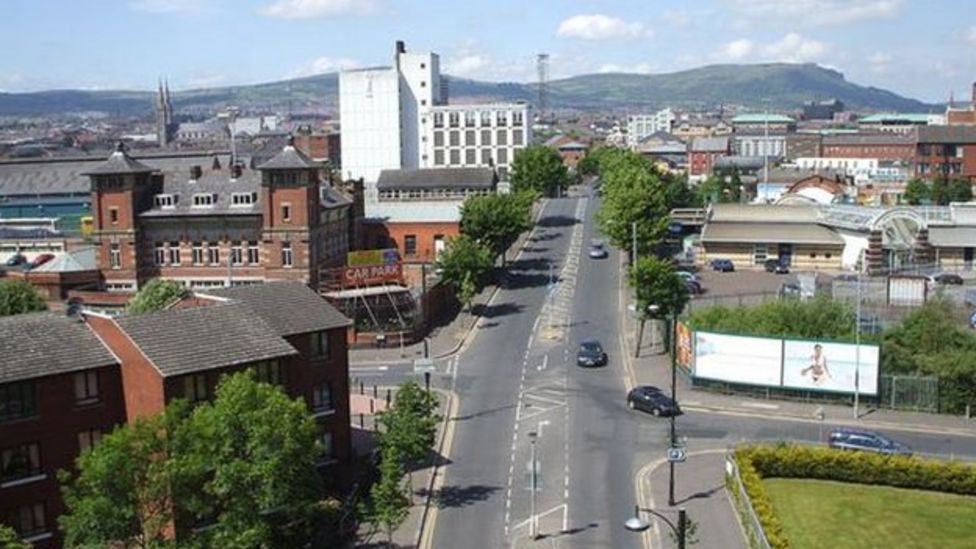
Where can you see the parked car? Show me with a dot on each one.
(694, 287)
(723, 265)
(590, 354)
(947, 279)
(777, 266)
(597, 250)
(16, 259)
(40, 260)
(867, 441)
(687, 275)
(650, 399)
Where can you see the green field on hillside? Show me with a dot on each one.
(838, 515)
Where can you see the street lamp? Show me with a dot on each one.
(674, 399)
(653, 309)
(533, 526)
(637, 524)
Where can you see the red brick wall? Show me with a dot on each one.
(55, 429)
(142, 383)
(881, 152)
(425, 233)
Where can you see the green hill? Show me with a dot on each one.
(785, 85)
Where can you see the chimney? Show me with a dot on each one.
(196, 172)
(400, 47)
(235, 171)
(216, 163)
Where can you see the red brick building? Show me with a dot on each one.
(704, 151)
(946, 151)
(64, 382)
(883, 146)
(216, 226)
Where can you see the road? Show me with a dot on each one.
(517, 377)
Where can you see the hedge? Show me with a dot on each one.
(794, 461)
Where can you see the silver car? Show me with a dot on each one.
(597, 250)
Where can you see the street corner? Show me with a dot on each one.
(551, 526)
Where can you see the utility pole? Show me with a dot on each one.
(674, 399)
(533, 525)
(766, 145)
(633, 238)
(857, 342)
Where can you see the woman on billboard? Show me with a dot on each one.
(819, 373)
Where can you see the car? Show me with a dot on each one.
(597, 250)
(16, 259)
(867, 441)
(694, 287)
(590, 354)
(40, 260)
(687, 276)
(947, 279)
(650, 399)
(777, 266)
(723, 265)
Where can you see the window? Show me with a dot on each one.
(439, 158)
(88, 439)
(423, 83)
(160, 255)
(253, 253)
(213, 254)
(243, 199)
(174, 253)
(237, 253)
(115, 256)
(438, 120)
(455, 139)
(455, 156)
(328, 450)
(438, 139)
(410, 245)
(423, 103)
(113, 215)
(268, 372)
(485, 118)
(286, 256)
(86, 388)
(502, 155)
(453, 119)
(486, 157)
(319, 343)
(469, 119)
(195, 387)
(502, 118)
(759, 254)
(516, 118)
(197, 254)
(517, 138)
(501, 137)
(470, 157)
(166, 201)
(204, 200)
(322, 398)
(20, 462)
(29, 520)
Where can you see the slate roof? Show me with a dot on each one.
(332, 198)
(952, 237)
(82, 259)
(437, 178)
(216, 182)
(180, 341)
(947, 134)
(762, 213)
(798, 233)
(288, 307)
(41, 344)
(290, 158)
(710, 144)
(119, 162)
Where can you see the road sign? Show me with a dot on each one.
(423, 365)
(676, 454)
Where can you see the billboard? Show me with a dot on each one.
(387, 256)
(738, 359)
(825, 366)
(685, 344)
(369, 275)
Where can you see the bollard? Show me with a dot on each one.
(361, 420)
(375, 393)
(388, 396)
(361, 388)
(372, 412)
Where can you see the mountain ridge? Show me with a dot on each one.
(785, 85)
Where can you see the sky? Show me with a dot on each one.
(924, 49)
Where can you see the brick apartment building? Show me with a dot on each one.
(946, 151)
(883, 146)
(278, 223)
(704, 151)
(65, 382)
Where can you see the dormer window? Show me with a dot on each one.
(166, 201)
(204, 200)
(243, 199)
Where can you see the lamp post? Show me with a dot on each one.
(637, 524)
(857, 342)
(674, 400)
(533, 526)
(653, 309)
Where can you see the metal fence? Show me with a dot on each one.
(753, 529)
(915, 393)
(739, 300)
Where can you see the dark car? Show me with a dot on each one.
(40, 260)
(16, 259)
(650, 399)
(867, 441)
(776, 266)
(590, 353)
(948, 278)
(694, 287)
(723, 265)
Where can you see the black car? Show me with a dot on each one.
(16, 259)
(694, 287)
(590, 354)
(867, 441)
(723, 265)
(650, 399)
(948, 278)
(776, 266)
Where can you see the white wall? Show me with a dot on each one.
(369, 108)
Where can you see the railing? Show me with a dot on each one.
(753, 529)
(688, 216)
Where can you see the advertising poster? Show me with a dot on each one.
(738, 359)
(685, 342)
(827, 366)
(364, 258)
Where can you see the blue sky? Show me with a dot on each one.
(918, 48)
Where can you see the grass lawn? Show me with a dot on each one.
(839, 515)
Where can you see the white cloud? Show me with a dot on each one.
(600, 27)
(638, 68)
(307, 9)
(817, 12)
(792, 48)
(171, 6)
(323, 64)
(472, 60)
(879, 62)
(971, 35)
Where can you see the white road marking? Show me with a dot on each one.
(760, 405)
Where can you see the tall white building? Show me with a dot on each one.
(398, 117)
(640, 126)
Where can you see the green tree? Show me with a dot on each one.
(252, 456)
(496, 220)
(410, 425)
(18, 297)
(122, 491)
(939, 192)
(540, 168)
(916, 192)
(10, 540)
(656, 283)
(633, 195)
(465, 264)
(960, 190)
(820, 318)
(388, 506)
(156, 295)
